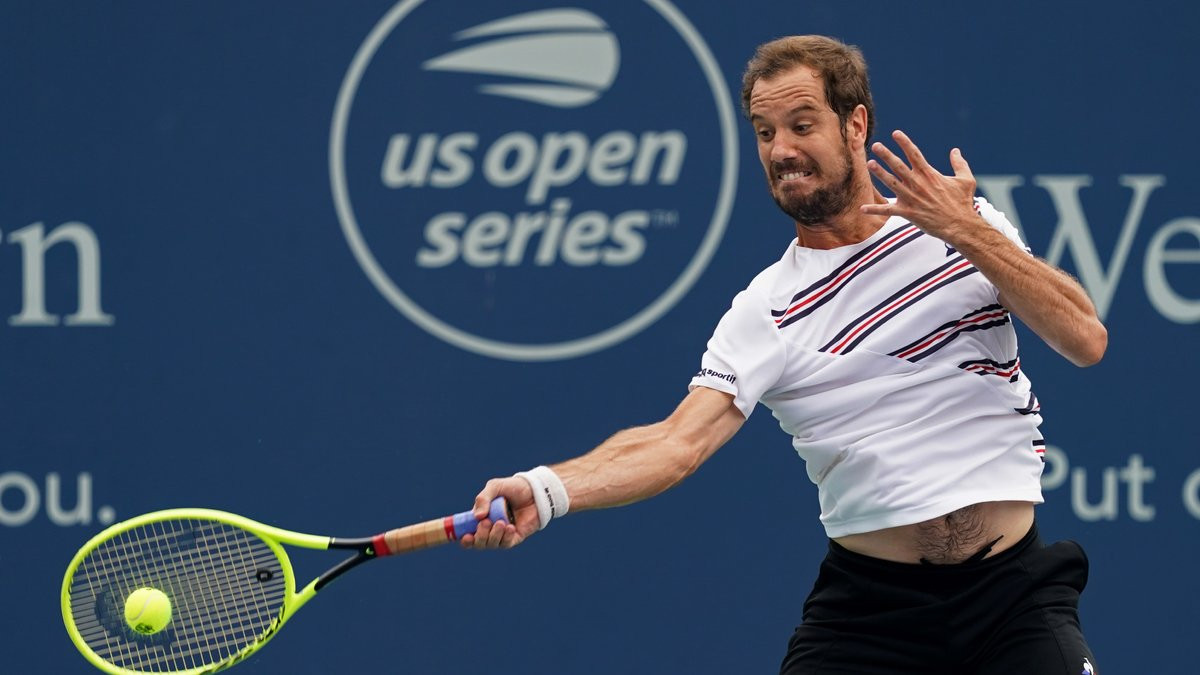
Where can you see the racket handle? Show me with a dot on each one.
(437, 532)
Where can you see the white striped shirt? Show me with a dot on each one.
(894, 368)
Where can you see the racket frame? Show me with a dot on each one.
(401, 540)
(273, 537)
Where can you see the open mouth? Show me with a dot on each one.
(794, 175)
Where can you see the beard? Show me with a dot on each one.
(823, 203)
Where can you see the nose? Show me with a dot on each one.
(783, 147)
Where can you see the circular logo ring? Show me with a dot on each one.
(510, 350)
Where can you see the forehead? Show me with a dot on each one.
(799, 86)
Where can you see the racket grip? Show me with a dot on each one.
(437, 532)
(465, 522)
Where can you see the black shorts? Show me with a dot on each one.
(1016, 612)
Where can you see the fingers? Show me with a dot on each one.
(911, 151)
(888, 210)
(908, 182)
(959, 164)
(496, 487)
(892, 182)
(916, 159)
(503, 535)
(893, 162)
(924, 196)
(492, 535)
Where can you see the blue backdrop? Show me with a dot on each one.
(332, 265)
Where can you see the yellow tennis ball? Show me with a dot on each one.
(147, 610)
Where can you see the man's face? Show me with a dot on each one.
(810, 170)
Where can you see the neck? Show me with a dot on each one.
(848, 227)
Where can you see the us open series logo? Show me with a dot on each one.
(530, 182)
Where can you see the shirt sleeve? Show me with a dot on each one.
(745, 355)
(999, 221)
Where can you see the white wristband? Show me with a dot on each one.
(549, 494)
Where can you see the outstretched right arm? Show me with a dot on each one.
(632, 465)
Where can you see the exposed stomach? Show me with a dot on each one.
(949, 539)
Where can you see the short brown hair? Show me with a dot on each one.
(842, 66)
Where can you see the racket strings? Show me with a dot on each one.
(226, 588)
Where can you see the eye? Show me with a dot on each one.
(802, 128)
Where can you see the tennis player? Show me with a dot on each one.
(883, 342)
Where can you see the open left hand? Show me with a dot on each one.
(940, 205)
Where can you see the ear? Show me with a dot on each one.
(856, 127)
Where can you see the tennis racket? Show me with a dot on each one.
(228, 580)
